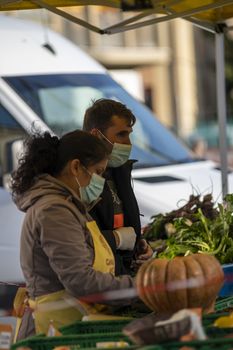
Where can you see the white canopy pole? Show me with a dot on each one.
(221, 108)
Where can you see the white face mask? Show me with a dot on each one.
(119, 155)
(91, 192)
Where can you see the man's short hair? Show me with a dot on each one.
(99, 115)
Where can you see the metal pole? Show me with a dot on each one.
(221, 107)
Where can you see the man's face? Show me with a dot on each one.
(119, 131)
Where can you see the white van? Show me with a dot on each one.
(50, 85)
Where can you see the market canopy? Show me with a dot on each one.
(207, 13)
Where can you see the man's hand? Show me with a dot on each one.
(143, 252)
(125, 238)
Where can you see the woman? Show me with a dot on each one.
(63, 253)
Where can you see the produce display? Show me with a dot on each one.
(179, 284)
(200, 226)
(183, 282)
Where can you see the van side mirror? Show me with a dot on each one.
(11, 153)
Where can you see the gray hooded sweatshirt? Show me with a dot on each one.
(57, 249)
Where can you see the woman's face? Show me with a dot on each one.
(84, 174)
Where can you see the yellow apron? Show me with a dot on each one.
(103, 262)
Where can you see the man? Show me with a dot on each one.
(117, 213)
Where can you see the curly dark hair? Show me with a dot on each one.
(45, 153)
(100, 114)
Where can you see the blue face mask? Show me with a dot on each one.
(119, 155)
(90, 193)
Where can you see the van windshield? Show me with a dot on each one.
(61, 100)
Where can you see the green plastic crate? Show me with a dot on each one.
(216, 332)
(210, 344)
(224, 304)
(87, 327)
(74, 341)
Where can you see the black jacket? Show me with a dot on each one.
(103, 213)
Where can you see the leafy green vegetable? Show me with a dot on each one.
(201, 233)
(158, 228)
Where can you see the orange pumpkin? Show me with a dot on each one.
(183, 282)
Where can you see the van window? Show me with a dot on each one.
(61, 100)
(9, 130)
(60, 107)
